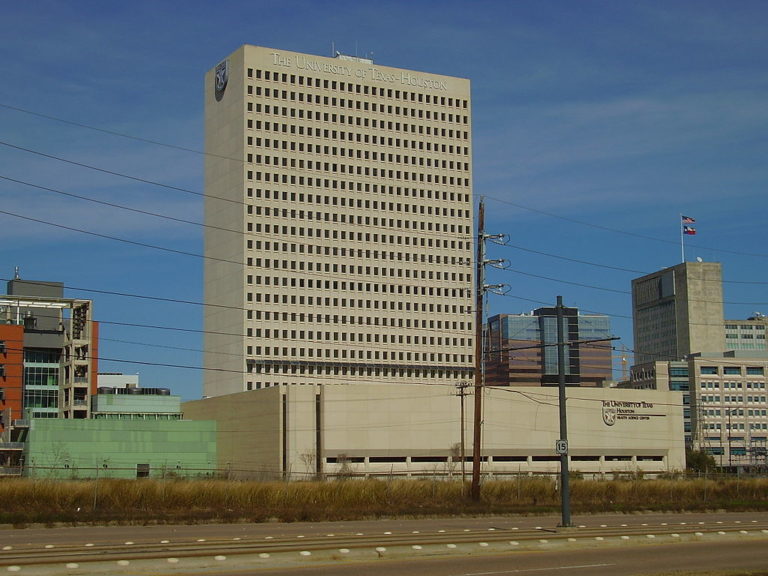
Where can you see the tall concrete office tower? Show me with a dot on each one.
(678, 311)
(338, 216)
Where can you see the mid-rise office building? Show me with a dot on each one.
(48, 359)
(725, 403)
(338, 216)
(522, 349)
(678, 311)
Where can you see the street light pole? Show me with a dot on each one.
(565, 493)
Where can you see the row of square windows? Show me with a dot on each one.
(716, 398)
(367, 237)
(343, 252)
(367, 220)
(362, 154)
(735, 385)
(740, 412)
(333, 183)
(352, 354)
(336, 234)
(265, 230)
(383, 287)
(362, 137)
(431, 291)
(734, 426)
(335, 199)
(314, 82)
(399, 305)
(355, 187)
(367, 337)
(381, 321)
(368, 108)
(300, 164)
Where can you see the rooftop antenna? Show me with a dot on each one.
(16, 275)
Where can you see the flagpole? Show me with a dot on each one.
(682, 237)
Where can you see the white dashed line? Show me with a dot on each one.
(451, 546)
(123, 562)
(305, 553)
(483, 544)
(14, 568)
(344, 550)
(220, 558)
(49, 546)
(72, 565)
(263, 555)
(172, 560)
(416, 547)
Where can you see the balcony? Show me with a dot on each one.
(21, 423)
(11, 446)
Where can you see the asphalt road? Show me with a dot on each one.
(609, 544)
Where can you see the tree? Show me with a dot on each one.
(699, 461)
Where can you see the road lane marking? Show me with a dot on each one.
(524, 570)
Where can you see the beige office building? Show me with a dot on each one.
(338, 216)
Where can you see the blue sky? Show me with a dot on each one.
(595, 125)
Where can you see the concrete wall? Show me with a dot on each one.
(416, 430)
(249, 436)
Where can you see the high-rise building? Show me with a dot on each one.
(678, 311)
(338, 216)
(522, 349)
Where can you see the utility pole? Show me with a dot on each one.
(462, 386)
(480, 290)
(562, 444)
(479, 293)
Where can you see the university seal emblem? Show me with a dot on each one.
(609, 415)
(220, 79)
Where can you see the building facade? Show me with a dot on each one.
(747, 335)
(725, 403)
(522, 349)
(301, 432)
(678, 311)
(338, 215)
(120, 448)
(48, 360)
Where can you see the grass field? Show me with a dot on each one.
(26, 501)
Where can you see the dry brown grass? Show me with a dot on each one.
(27, 501)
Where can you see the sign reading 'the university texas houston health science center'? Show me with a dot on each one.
(616, 410)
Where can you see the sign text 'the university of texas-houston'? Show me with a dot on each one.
(401, 77)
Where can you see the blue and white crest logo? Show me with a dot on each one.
(220, 79)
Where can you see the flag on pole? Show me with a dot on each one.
(688, 219)
(689, 230)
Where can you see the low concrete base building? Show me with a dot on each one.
(59, 448)
(301, 432)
